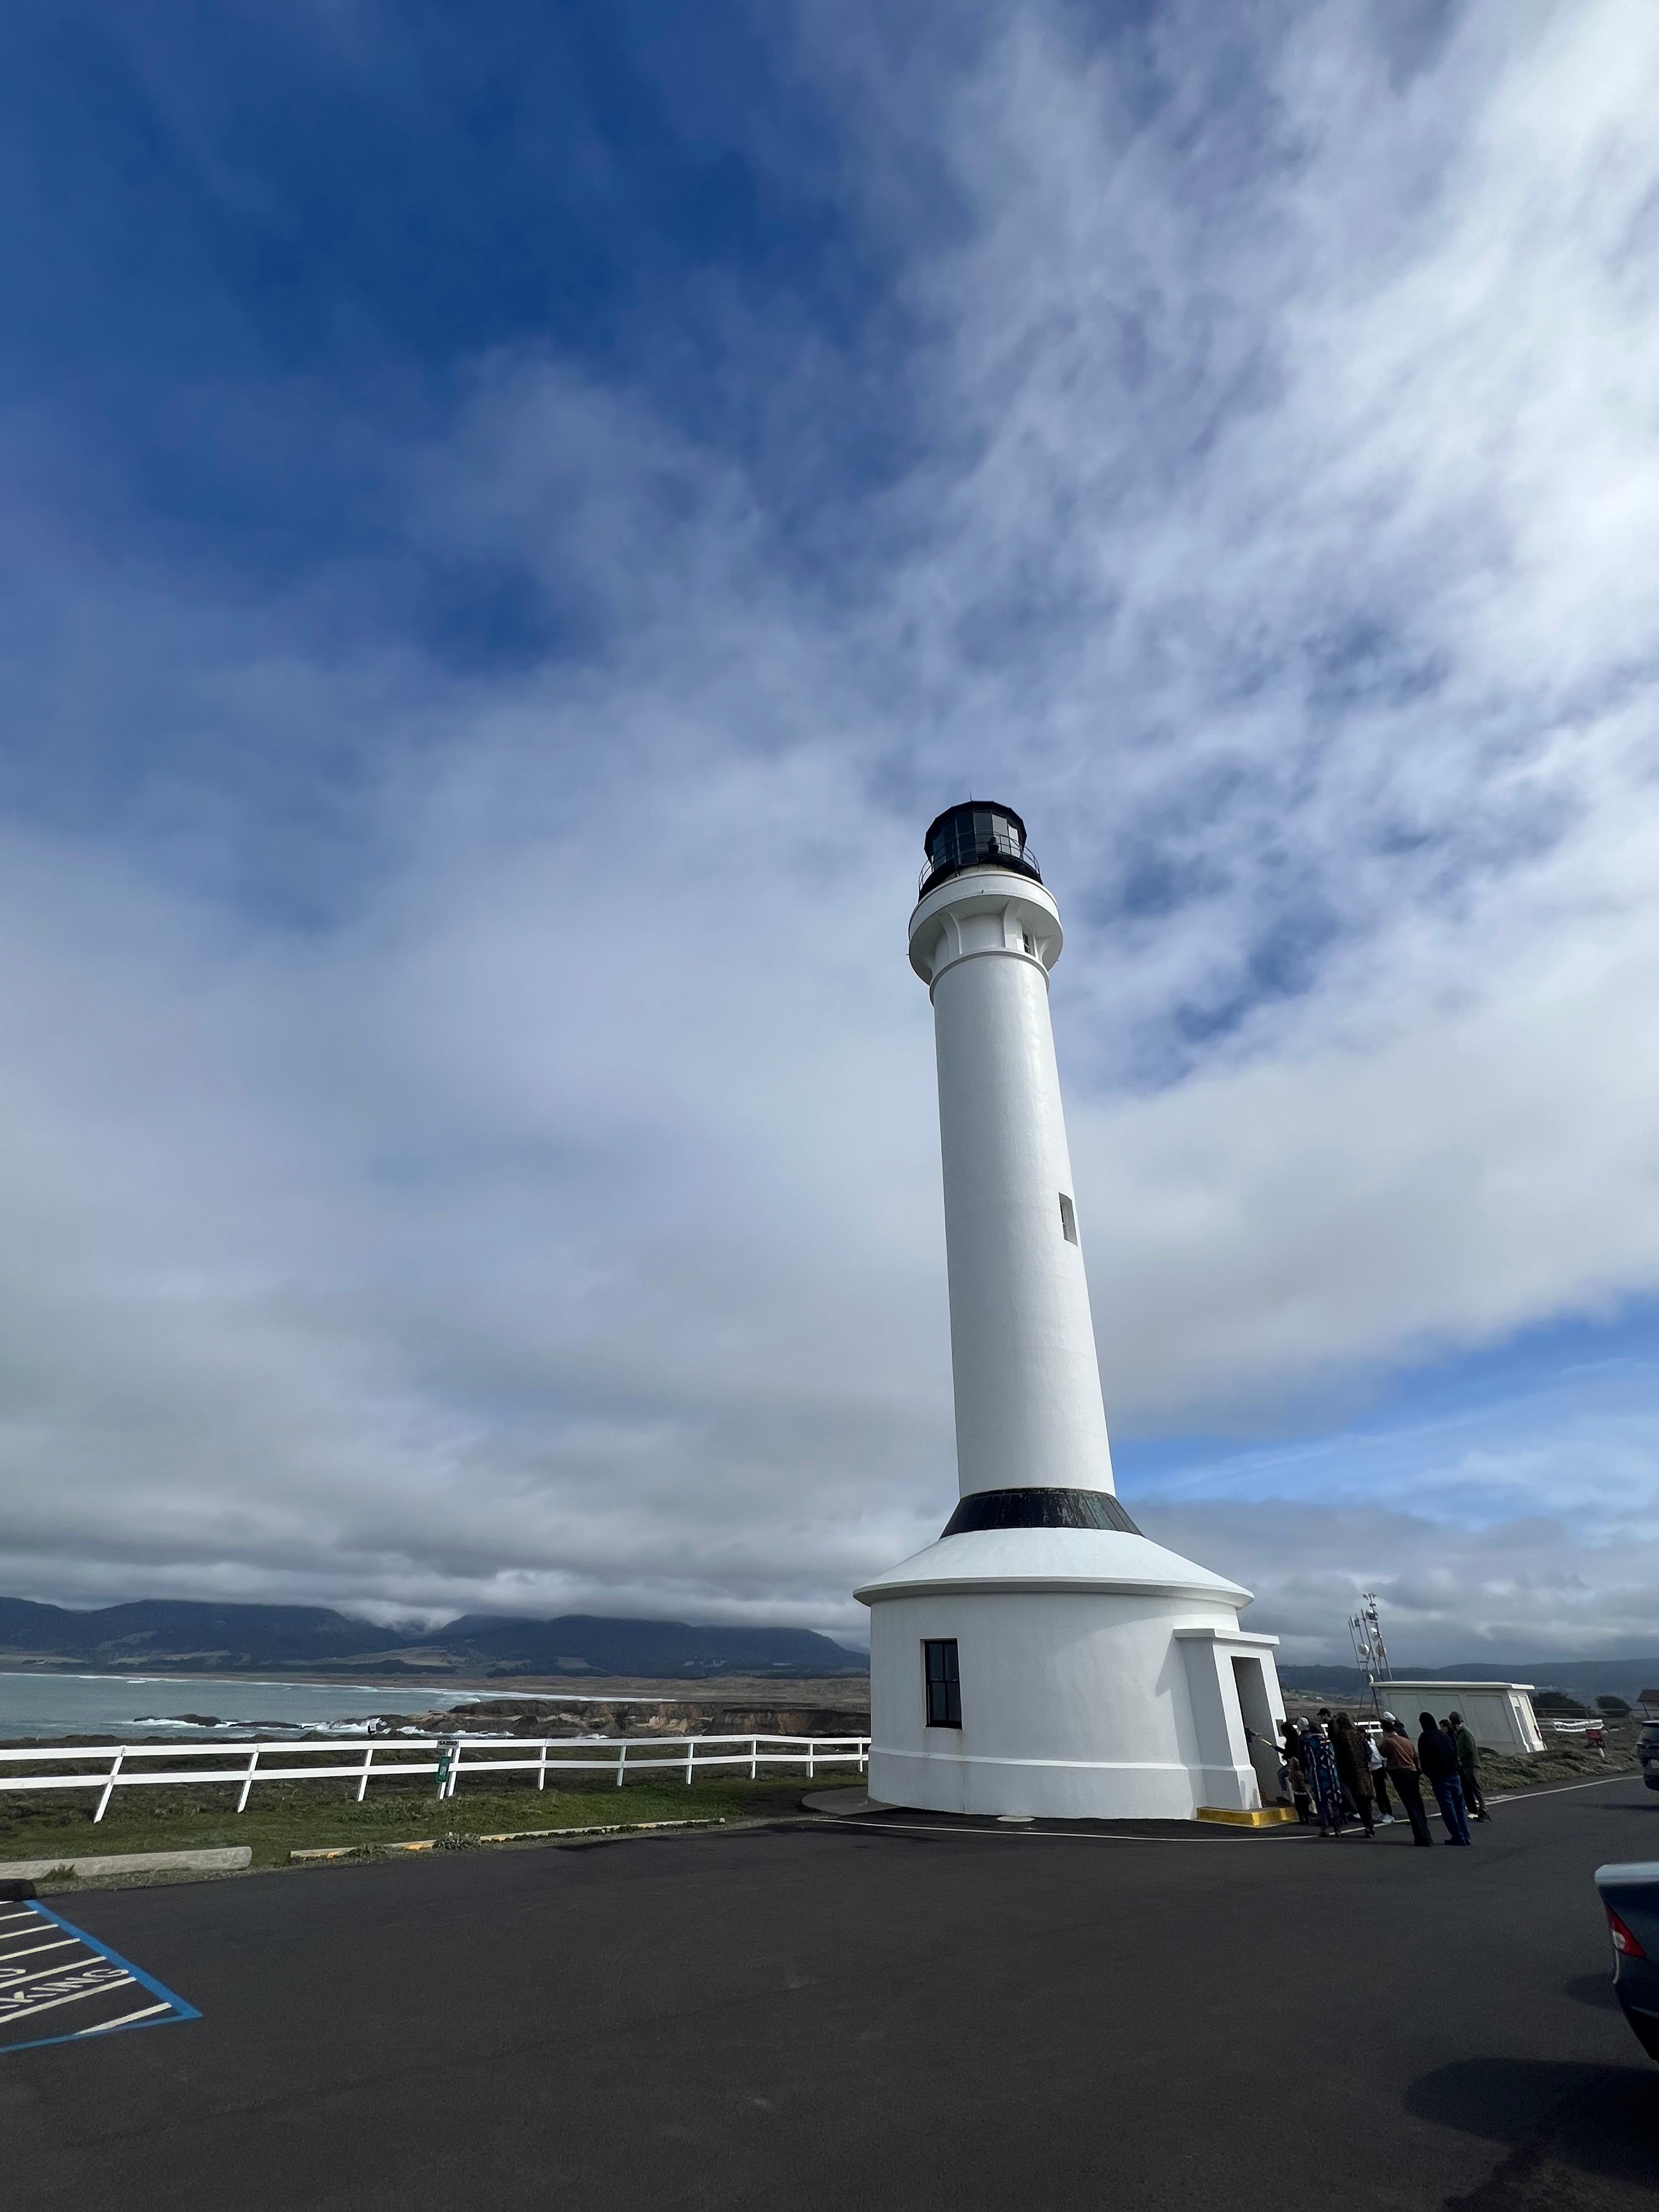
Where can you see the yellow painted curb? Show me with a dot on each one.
(1266, 1816)
(356, 1850)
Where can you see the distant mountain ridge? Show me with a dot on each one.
(190, 1637)
(187, 1636)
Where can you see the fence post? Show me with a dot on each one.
(247, 1779)
(104, 1795)
(622, 1761)
(754, 1759)
(690, 1753)
(541, 1772)
(812, 1748)
(369, 1760)
(455, 1770)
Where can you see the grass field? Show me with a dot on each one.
(1563, 1758)
(286, 1816)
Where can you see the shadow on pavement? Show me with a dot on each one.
(1583, 2136)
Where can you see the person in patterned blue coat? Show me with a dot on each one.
(1324, 1782)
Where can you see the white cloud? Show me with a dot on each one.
(1520, 1589)
(531, 1200)
(1316, 422)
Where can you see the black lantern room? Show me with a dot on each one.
(978, 833)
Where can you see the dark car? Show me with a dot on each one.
(1631, 1895)
(1647, 1750)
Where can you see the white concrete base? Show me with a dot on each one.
(1101, 1677)
(227, 1859)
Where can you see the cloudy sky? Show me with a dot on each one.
(516, 518)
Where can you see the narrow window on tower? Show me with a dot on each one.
(938, 1667)
(1028, 942)
(1068, 1219)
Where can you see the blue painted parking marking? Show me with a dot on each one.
(53, 1974)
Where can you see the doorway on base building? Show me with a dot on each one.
(1253, 1703)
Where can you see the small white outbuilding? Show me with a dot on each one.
(1498, 1715)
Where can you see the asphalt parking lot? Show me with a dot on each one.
(831, 2016)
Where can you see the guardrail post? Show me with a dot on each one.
(105, 1794)
(369, 1760)
(247, 1779)
(622, 1761)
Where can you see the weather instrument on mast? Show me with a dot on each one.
(1368, 1648)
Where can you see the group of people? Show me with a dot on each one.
(1335, 1771)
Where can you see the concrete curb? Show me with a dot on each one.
(508, 1836)
(843, 1803)
(226, 1861)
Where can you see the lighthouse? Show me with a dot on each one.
(1043, 1658)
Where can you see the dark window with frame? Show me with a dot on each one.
(938, 1667)
(1068, 1219)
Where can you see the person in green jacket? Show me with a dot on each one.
(1469, 1765)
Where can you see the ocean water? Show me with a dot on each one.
(144, 1705)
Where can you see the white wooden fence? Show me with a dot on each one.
(387, 1758)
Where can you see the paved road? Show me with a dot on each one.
(826, 2018)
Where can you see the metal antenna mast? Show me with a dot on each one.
(1368, 1648)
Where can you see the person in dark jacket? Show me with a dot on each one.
(1294, 1771)
(1437, 1758)
(1469, 1765)
(1354, 1767)
(1401, 1762)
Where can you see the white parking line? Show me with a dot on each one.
(75, 1996)
(855, 1822)
(1562, 1789)
(41, 1974)
(97, 1972)
(125, 2021)
(64, 1943)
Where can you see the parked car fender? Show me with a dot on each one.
(1630, 1895)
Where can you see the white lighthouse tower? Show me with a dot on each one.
(1042, 1657)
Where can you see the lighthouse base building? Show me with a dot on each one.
(1043, 1657)
(1065, 1673)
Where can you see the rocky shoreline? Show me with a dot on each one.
(536, 1716)
(572, 1718)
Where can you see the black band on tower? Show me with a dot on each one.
(1040, 1508)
